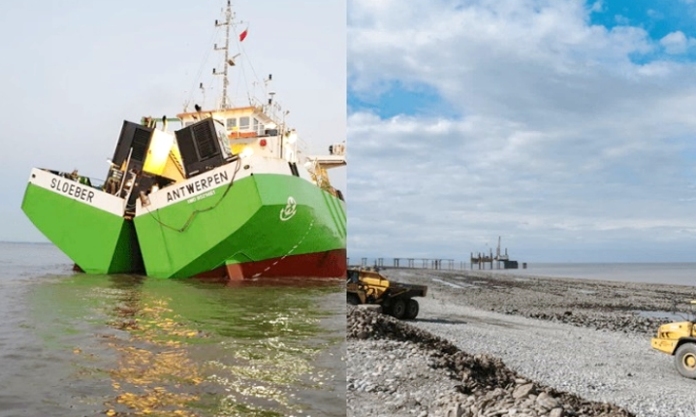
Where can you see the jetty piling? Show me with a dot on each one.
(411, 263)
(479, 259)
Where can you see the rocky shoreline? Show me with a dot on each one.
(479, 385)
(626, 307)
(572, 348)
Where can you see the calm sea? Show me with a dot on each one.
(80, 345)
(657, 273)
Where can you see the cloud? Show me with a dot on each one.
(654, 14)
(597, 6)
(622, 20)
(677, 43)
(562, 139)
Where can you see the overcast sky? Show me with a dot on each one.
(567, 127)
(72, 71)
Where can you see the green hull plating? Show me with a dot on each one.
(260, 217)
(97, 241)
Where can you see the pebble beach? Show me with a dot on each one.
(493, 344)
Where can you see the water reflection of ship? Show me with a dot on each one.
(190, 347)
(153, 368)
(129, 300)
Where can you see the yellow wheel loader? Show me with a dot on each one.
(679, 340)
(395, 298)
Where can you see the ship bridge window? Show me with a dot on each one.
(231, 123)
(244, 123)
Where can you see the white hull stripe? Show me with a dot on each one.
(191, 190)
(79, 192)
(207, 184)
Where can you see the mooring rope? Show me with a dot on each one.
(195, 213)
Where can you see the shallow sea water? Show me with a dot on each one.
(81, 345)
(677, 273)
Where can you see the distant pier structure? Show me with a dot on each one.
(500, 259)
(481, 259)
(411, 263)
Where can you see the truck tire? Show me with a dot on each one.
(411, 309)
(353, 299)
(685, 360)
(398, 309)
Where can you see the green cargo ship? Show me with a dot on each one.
(228, 195)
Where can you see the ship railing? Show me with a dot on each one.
(273, 111)
(159, 123)
(96, 182)
(82, 179)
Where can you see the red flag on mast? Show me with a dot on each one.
(243, 35)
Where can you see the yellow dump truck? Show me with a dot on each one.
(395, 298)
(679, 340)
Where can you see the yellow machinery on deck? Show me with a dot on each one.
(395, 298)
(679, 340)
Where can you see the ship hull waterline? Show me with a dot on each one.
(330, 264)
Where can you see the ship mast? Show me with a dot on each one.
(225, 80)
